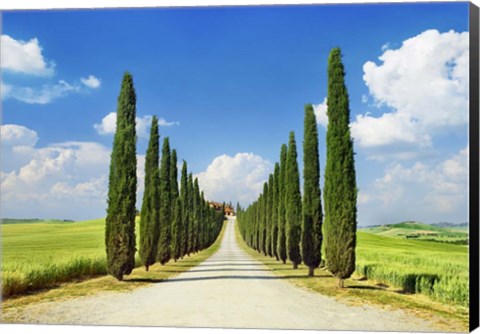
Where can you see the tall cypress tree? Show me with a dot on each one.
(293, 204)
(340, 190)
(150, 213)
(282, 240)
(312, 203)
(203, 221)
(269, 215)
(177, 228)
(185, 218)
(165, 239)
(196, 214)
(190, 213)
(174, 176)
(275, 200)
(122, 186)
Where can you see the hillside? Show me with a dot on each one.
(456, 234)
(6, 221)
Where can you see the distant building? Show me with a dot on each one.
(218, 206)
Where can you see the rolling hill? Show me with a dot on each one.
(445, 233)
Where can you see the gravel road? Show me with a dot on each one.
(230, 289)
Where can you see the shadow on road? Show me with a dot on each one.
(208, 278)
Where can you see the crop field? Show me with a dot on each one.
(419, 231)
(43, 254)
(438, 270)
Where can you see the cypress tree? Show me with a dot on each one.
(196, 214)
(122, 186)
(149, 217)
(340, 191)
(177, 228)
(174, 176)
(165, 239)
(190, 214)
(293, 204)
(282, 240)
(185, 218)
(274, 237)
(269, 215)
(203, 222)
(176, 231)
(312, 203)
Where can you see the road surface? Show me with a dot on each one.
(230, 289)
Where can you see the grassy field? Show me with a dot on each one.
(388, 257)
(33, 221)
(438, 270)
(44, 254)
(419, 231)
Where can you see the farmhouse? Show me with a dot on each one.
(218, 206)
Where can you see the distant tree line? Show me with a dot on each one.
(174, 221)
(286, 225)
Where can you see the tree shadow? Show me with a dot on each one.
(228, 263)
(145, 280)
(225, 269)
(209, 278)
(364, 287)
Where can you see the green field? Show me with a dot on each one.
(42, 254)
(439, 270)
(419, 231)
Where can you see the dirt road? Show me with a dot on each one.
(230, 289)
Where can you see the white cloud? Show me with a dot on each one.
(237, 179)
(55, 181)
(421, 191)
(24, 57)
(17, 135)
(67, 180)
(91, 81)
(424, 83)
(320, 111)
(108, 125)
(46, 94)
(163, 122)
(388, 129)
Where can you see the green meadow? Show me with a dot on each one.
(419, 231)
(439, 270)
(42, 254)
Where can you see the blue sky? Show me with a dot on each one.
(230, 83)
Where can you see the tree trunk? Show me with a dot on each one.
(311, 271)
(340, 283)
(146, 268)
(283, 261)
(295, 265)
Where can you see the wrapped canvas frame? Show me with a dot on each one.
(474, 166)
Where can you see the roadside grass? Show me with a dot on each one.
(437, 270)
(45, 254)
(12, 308)
(361, 291)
